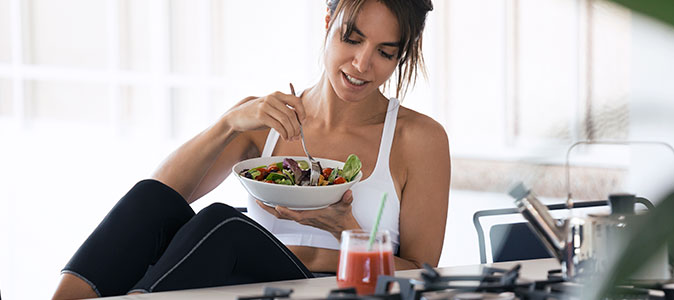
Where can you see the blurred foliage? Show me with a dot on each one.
(662, 10)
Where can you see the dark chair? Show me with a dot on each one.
(516, 241)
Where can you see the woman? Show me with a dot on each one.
(153, 241)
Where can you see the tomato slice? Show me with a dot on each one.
(339, 180)
(326, 172)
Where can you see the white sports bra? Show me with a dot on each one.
(366, 198)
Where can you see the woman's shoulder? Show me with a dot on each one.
(420, 143)
(414, 126)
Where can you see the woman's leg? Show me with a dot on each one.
(221, 246)
(130, 238)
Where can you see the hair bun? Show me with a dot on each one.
(426, 4)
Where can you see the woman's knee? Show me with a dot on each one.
(151, 196)
(153, 192)
(219, 211)
(214, 214)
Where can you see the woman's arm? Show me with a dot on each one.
(185, 168)
(204, 161)
(423, 207)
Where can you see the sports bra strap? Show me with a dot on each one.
(270, 144)
(387, 138)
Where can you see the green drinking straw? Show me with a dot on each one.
(373, 234)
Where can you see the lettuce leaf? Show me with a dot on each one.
(274, 176)
(351, 167)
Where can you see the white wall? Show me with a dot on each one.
(652, 104)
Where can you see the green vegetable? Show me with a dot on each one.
(351, 167)
(333, 175)
(280, 165)
(284, 181)
(303, 164)
(290, 176)
(254, 173)
(275, 176)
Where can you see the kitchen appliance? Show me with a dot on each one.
(585, 246)
(492, 283)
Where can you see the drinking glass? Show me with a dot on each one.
(359, 264)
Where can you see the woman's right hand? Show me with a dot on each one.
(277, 110)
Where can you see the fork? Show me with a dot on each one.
(315, 170)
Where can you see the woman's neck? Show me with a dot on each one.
(326, 110)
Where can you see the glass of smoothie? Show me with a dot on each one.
(361, 262)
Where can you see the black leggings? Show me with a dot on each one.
(152, 241)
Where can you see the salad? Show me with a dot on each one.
(291, 172)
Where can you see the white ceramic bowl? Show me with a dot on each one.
(293, 196)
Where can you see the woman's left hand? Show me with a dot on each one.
(334, 218)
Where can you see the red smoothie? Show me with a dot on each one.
(361, 269)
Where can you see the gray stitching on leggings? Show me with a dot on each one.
(91, 284)
(209, 234)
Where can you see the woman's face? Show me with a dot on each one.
(358, 65)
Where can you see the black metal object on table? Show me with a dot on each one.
(508, 211)
(492, 281)
(270, 293)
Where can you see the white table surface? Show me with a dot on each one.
(536, 269)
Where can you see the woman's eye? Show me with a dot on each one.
(349, 41)
(385, 55)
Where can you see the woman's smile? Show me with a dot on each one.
(354, 82)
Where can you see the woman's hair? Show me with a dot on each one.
(411, 16)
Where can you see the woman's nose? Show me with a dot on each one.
(362, 60)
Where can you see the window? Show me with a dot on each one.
(5, 18)
(95, 93)
(142, 71)
(522, 80)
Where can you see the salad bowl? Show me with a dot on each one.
(293, 196)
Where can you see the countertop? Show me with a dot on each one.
(535, 269)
